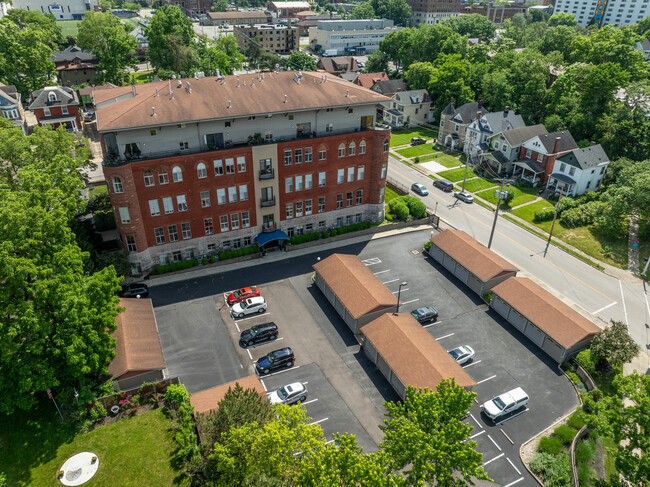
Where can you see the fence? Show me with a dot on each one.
(147, 389)
(397, 186)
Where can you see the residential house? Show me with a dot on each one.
(56, 105)
(86, 93)
(138, 33)
(337, 65)
(11, 107)
(412, 107)
(368, 80)
(485, 126)
(537, 155)
(644, 47)
(75, 66)
(579, 171)
(389, 87)
(454, 122)
(505, 147)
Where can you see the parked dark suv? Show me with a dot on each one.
(444, 185)
(275, 360)
(258, 333)
(426, 314)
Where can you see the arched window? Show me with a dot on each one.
(342, 150)
(148, 178)
(51, 97)
(118, 187)
(177, 173)
(362, 147)
(352, 149)
(163, 176)
(322, 152)
(201, 171)
(386, 143)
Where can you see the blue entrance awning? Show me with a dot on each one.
(264, 238)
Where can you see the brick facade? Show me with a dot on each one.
(57, 111)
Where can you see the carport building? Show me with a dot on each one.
(549, 323)
(138, 355)
(208, 400)
(406, 354)
(470, 261)
(354, 291)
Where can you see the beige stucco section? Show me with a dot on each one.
(267, 151)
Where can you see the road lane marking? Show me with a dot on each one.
(249, 354)
(513, 466)
(620, 285)
(458, 208)
(479, 424)
(495, 443)
(392, 280)
(515, 482)
(238, 330)
(280, 372)
(411, 301)
(485, 380)
(309, 402)
(477, 434)
(473, 363)
(319, 421)
(495, 458)
(445, 336)
(381, 272)
(604, 307)
(431, 324)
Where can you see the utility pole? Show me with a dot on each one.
(501, 194)
(465, 177)
(550, 234)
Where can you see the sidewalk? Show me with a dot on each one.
(209, 270)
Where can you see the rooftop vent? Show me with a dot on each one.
(285, 98)
(179, 83)
(153, 110)
(229, 104)
(188, 87)
(347, 93)
(157, 92)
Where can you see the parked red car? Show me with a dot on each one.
(241, 294)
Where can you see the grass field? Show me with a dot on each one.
(457, 174)
(390, 194)
(477, 184)
(132, 22)
(404, 136)
(141, 76)
(443, 159)
(132, 452)
(99, 189)
(522, 195)
(416, 150)
(68, 27)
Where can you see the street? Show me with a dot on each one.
(608, 297)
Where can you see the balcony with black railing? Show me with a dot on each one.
(266, 174)
(268, 202)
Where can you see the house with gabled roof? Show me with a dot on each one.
(579, 171)
(11, 107)
(537, 155)
(485, 126)
(56, 105)
(389, 87)
(411, 107)
(504, 147)
(368, 80)
(454, 122)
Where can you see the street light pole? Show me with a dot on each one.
(399, 291)
(496, 213)
(550, 233)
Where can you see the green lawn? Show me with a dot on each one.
(403, 136)
(390, 194)
(447, 160)
(477, 184)
(132, 452)
(417, 150)
(141, 76)
(522, 195)
(132, 22)
(68, 27)
(457, 174)
(99, 189)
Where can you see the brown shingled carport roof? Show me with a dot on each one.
(138, 343)
(556, 319)
(412, 353)
(207, 400)
(473, 256)
(354, 284)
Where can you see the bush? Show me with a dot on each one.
(298, 239)
(550, 444)
(176, 266)
(585, 451)
(566, 433)
(213, 259)
(555, 469)
(399, 209)
(584, 214)
(231, 254)
(333, 233)
(325, 234)
(204, 261)
(577, 419)
(101, 410)
(588, 361)
(389, 217)
(176, 394)
(544, 215)
(427, 245)
(567, 203)
(417, 159)
(573, 377)
(417, 209)
(94, 415)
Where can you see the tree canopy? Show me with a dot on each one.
(615, 344)
(299, 60)
(362, 10)
(396, 10)
(171, 40)
(472, 25)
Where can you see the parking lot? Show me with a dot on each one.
(350, 391)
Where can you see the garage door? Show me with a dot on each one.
(462, 273)
(535, 334)
(383, 367)
(554, 349)
(398, 386)
(500, 306)
(475, 284)
(449, 263)
(518, 321)
(370, 350)
(436, 253)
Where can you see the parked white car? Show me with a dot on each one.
(249, 306)
(462, 355)
(288, 394)
(506, 403)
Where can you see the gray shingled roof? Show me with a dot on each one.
(566, 141)
(498, 121)
(413, 96)
(389, 87)
(645, 45)
(8, 95)
(466, 113)
(72, 52)
(591, 156)
(520, 135)
(449, 110)
(64, 96)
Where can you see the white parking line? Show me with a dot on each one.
(511, 417)
(445, 336)
(495, 458)
(392, 280)
(473, 363)
(604, 307)
(515, 482)
(477, 434)
(319, 421)
(431, 324)
(371, 261)
(495, 443)
(381, 272)
(249, 318)
(264, 385)
(485, 380)
(238, 330)
(403, 290)
(513, 466)
(623, 301)
(411, 301)
(282, 371)
(309, 402)
(249, 354)
(479, 424)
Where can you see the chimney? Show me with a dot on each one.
(480, 103)
(556, 147)
(453, 105)
(507, 108)
(592, 143)
(478, 114)
(31, 95)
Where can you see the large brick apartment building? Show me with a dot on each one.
(199, 165)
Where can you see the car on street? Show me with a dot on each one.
(241, 294)
(288, 394)
(419, 189)
(248, 307)
(462, 354)
(259, 333)
(464, 196)
(277, 359)
(426, 314)
(506, 403)
(134, 290)
(418, 141)
(444, 185)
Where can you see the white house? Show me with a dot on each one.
(486, 126)
(409, 108)
(644, 47)
(579, 171)
(138, 33)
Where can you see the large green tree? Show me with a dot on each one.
(472, 25)
(426, 440)
(222, 55)
(57, 322)
(299, 60)
(615, 344)
(362, 10)
(32, 19)
(171, 40)
(107, 37)
(562, 18)
(396, 10)
(450, 82)
(418, 75)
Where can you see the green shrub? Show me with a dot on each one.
(555, 469)
(417, 159)
(573, 377)
(586, 474)
(399, 209)
(544, 215)
(577, 419)
(176, 394)
(565, 432)
(427, 245)
(550, 444)
(584, 214)
(389, 217)
(101, 410)
(586, 451)
(213, 259)
(587, 360)
(205, 261)
(333, 232)
(325, 234)
(567, 203)
(94, 415)
(417, 209)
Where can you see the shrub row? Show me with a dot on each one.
(309, 237)
(405, 207)
(176, 266)
(231, 254)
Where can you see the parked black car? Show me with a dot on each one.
(134, 290)
(444, 185)
(275, 360)
(258, 333)
(426, 314)
(418, 141)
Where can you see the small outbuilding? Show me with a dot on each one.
(138, 355)
(548, 322)
(470, 261)
(208, 400)
(406, 354)
(354, 291)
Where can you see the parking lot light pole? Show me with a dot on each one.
(399, 291)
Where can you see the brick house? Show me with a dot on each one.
(537, 155)
(216, 162)
(56, 105)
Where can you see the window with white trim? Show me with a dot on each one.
(230, 166)
(341, 150)
(163, 176)
(298, 156)
(223, 220)
(339, 201)
(154, 207)
(181, 202)
(362, 147)
(287, 157)
(168, 205)
(243, 192)
(218, 167)
(321, 179)
(241, 164)
(348, 198)
(177, 256)
(221, 196)
(359, 196)
(160, 235)
(232, 194)
(340, 177)
(245, 219)
(350, 174)
(289, 210)
(201, 171)
(322, 154)
(383, 171)
(288, 185)
(299, 186)
(352, 149)
(125, 216)
(298, 208)
(185, 229)
(307, 207)
(321, 204)
(234, 221)
(386, 145)
(130, 243)
(308, 181)
(177, 174)
(148, 178)
(118, 187)
(308, 154)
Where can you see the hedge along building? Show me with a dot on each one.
(354, 291)
(470, 261)
(549, 323)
